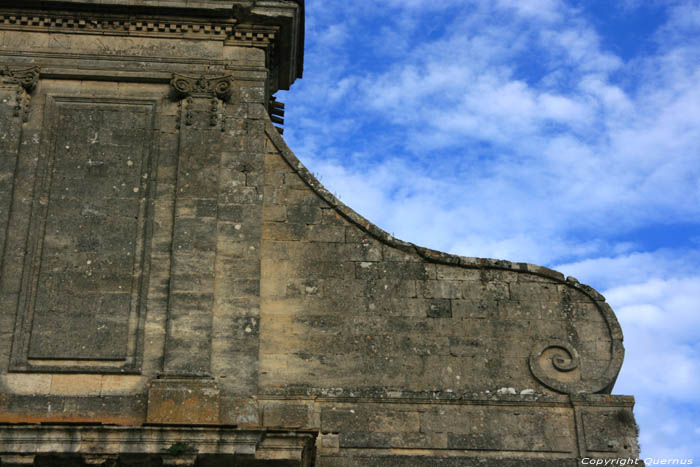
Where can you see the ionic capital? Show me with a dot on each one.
(202, 86)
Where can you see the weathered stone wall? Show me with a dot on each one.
(360, 327)
(345, 305)
(172, 273)
(129, 208)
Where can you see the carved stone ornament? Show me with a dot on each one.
(202, 86)
(25, 77)
(556, 363)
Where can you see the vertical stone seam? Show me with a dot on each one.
(578, 426)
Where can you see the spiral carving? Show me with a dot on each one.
(586, 360)
(222, 88)
(567, 362)
(553, 364)
(186, 86)
(27, 77)
(182, 85)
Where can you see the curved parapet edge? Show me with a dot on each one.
(561, 357)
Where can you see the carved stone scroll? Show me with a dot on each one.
(202, 86)
(557, 364)
(25, 77)
(216, 91)
(24, 81)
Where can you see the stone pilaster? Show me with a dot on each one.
(16, 86)
(193, 260)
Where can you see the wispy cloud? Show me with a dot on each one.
(571, 139)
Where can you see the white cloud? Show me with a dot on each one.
(583, 154)
(334, 35)
(546, 10)
(634, 268)
(581, 48)
(660, 320)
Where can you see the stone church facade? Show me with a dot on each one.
(177, 289)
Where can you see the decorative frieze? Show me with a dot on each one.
(66, 23)
(121, 25)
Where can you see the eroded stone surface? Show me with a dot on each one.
(177, 289)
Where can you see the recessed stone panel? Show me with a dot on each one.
(89, 238)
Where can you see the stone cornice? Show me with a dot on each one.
(120, 25)
(174, 444)
(277, 25)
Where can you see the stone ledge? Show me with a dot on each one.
(366, 396)
(27, 441)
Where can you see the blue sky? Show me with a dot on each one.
(557, 132)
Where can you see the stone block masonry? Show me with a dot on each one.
(177, 289)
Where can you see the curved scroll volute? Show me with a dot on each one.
(586, 360)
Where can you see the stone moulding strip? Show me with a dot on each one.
(153, 440)
(152, 77)
(442, 453)
(155, 77)
(228, 30)
(460, 399)
(606, 379)
(465, 400)
(109, 72)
